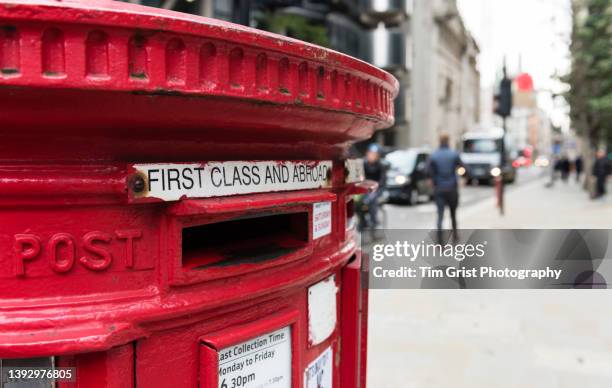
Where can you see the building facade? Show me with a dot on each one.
(445, 78)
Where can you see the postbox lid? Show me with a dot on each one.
(101, 64)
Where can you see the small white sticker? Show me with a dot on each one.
(321, 219)
(264, 361)
(319, 372)
(172, 181)
(354, 170)
(321, 310)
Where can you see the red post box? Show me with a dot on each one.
(175, 200)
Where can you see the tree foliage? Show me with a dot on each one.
(590, 79)
(294, 26)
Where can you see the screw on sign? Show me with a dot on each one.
(179, 183)
(264, 361)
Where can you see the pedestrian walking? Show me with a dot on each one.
(564, 168)
(601, 170)
(578, 167)
(443, 165)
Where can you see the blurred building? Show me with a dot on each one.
(422, 42)
(445, 80)
(540, 132)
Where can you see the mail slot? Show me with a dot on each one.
(251, 239)
(176, 200)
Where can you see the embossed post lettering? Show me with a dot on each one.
(27, 247)
(129, 235)
(89, 245)
(62, 249)
(56, 242)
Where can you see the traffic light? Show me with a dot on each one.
(503, 100)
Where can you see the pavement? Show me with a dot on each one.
(533, 206)
(496, 338)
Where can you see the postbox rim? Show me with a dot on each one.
(244, 33)
(101, 68)
(151, 17)
(116, 15)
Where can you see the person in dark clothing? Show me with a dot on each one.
(443, 164)
(375, 170)
(564, 168)
(578, 167)
(601, 170)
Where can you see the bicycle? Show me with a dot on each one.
(362, 211)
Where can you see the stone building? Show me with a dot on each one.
(445, 81)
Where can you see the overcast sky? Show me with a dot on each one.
(536, 32)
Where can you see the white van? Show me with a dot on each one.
(481, 155)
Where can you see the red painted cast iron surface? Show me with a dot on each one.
(105, 77)
(110, 286)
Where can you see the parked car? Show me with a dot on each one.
(408, 179)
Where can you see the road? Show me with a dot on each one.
(423, 215)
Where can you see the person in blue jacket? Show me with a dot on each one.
(443, 165)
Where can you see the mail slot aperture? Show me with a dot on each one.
(247, 240)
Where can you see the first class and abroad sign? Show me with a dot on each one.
(173, 181)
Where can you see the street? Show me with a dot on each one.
(423, 216)
(496, 338)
